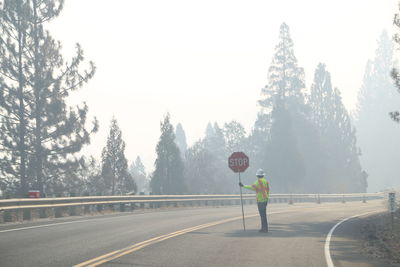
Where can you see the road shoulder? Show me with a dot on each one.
(350, 245)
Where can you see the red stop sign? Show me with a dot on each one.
(238, 162)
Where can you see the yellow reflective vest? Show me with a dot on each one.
(261, 186)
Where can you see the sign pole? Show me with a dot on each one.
(241, 202)
(239, 162)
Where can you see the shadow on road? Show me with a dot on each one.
(303, 229)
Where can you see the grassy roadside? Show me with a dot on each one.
(381, 240)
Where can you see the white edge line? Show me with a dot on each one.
(40, 226)
(79, 221)
(55, 224)
(328, 257)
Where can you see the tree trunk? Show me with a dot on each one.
(38, 106)
(22, 122)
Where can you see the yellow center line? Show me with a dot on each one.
(121, 252)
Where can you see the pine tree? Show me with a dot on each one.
(168, 177)
(51, 132)
(341, 167)
(285, 79)
(283, 104)
(114, 170)
(59, 131)
(180, 140)
(138, 172)
(376, 133)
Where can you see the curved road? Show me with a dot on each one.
(191, 237)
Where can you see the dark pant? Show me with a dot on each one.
(262, 209)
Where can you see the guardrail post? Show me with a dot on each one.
(111, 207)
(343, 200)
(72, 211)
(99, 207)
(318, 199)
(26, 214)
(42, 213)
(57, 212)
(34, 214)
(49, 213)
(7, 216)
(86, 209)
(291, 200)
(19, 215)
(364, 199)
(121, 207)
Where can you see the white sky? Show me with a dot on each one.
(207, 60)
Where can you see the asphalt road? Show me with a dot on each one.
(192, 237)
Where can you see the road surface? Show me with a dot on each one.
(196, 236)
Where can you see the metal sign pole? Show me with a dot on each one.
(241, 201)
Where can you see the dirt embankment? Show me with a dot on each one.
(381, 238)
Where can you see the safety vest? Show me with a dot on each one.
(261, 187)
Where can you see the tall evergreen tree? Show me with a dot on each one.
(59, 132)
(340, 161)
(376, 133)
(51, 132)
(114, 170)
(180, 139)
(168, 177)
(283, 99)
(285, 78)
(138, 172)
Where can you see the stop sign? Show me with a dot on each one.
(238, 162)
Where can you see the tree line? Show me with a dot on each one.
(304, 138)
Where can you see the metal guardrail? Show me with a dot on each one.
(23, 209)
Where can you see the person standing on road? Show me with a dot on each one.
(261, 186)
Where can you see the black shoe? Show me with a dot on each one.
(263, 231)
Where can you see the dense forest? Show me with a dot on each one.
(303, 137)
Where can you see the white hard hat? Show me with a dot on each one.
(260, 173)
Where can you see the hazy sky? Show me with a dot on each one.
(207, 60)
